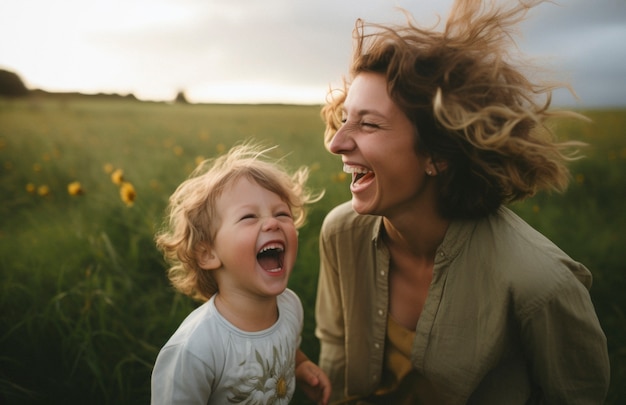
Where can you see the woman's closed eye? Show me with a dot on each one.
(366, 124)
(369, 124)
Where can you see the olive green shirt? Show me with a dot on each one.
(508, 318)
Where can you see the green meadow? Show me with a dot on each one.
(85, 304)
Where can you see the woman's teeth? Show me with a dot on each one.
(355, 169)
(357, 172)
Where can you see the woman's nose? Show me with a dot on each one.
(341, 142)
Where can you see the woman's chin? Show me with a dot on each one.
(361, 207)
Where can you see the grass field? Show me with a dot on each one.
(84, 301)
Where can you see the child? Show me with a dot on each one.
(232, 242)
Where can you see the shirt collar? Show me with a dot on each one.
(457, 234)
(377, 229)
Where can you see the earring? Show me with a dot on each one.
(429, 172)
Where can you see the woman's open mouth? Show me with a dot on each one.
(359, 174)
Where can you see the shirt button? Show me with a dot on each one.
(442, 254)
(377, 345)
(381, 312)
(374, 376)
(382, 273)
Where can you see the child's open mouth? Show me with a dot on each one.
(271, 257)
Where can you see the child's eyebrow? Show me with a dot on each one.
(251, 206)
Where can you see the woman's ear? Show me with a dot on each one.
(207, 258)
(435, 166)
(441, 166)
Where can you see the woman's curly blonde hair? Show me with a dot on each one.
(192, 219)
(472, 107)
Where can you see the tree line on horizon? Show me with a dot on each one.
(12, 86)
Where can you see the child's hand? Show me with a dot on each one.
(313, 381)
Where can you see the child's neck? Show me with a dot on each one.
(250, 315)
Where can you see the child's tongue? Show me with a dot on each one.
(269, 260)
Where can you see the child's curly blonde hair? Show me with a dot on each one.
(191, 216)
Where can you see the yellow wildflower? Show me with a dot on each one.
(127, 193)
(36, 167)
(117, 177)
(580, 178)
(168, 143)
(75, 188)
(30, 187)
(204, 135)
(199, 159)
(220, 148)
(178, 150)
(43, 190)
(108, 168)
(339, 177)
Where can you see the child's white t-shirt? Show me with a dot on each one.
(210, 361)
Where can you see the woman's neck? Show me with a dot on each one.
(419, 234)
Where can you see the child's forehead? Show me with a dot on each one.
(243, 183)
(241, 180)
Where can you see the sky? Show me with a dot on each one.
(286, 51)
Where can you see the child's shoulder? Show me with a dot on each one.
(188, 343)
(289, 302)
(289, 298)
(289, 295)
(198, 323)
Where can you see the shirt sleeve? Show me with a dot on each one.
(567, 349)
(330, 328)
(179, 377)
(294, 304)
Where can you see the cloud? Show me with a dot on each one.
(275, 48)
(584, 42)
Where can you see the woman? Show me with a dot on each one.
(430, 289)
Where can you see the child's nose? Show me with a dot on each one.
(270, 224)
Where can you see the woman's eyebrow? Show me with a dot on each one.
(363, 112)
